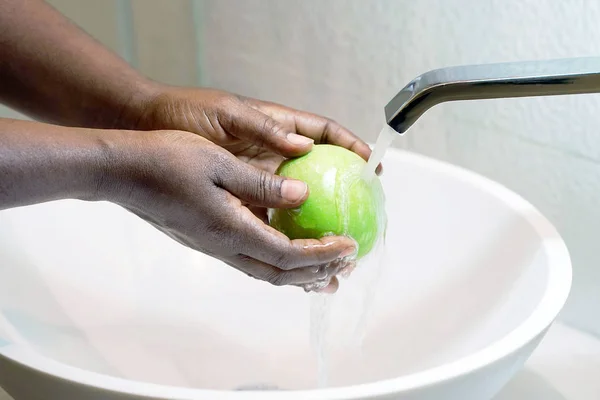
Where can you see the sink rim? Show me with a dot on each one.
(558, 286)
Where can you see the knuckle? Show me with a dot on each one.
(272, 127)
(220, 165)
(331, 128)
(271, 184)
(260, 185)
(223, 105)
(240, 98)
(266, 186)
(331, 122)
(264, 181)
(225, 162)
(224, 101)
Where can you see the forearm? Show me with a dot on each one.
(41, 162)
(54, 72)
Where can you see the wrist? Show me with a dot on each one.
(41, 162)
(129, 159)
(114, 176)
(137, 103)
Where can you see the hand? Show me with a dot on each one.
(199, 194)
(173, 185)
(257, 132)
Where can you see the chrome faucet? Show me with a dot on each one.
(491, 81)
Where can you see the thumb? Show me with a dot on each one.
(261, 188)
(263, 131)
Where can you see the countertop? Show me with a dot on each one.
(565, 366)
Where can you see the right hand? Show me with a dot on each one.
(202, 195)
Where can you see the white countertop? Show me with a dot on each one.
(566, 366)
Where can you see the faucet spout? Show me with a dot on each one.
(491, 81)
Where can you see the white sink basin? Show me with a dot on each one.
(96, 304)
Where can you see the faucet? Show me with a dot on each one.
(491, 81)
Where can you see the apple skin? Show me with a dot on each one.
(340, 202)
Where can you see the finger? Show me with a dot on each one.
(254, 238)
(348, 269)
(324, 130)
(259, 187)
(320, 129)
(331, 288)
(278, 277)
(336, 268)
(253, 126)
(331, 283)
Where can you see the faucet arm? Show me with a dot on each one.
(491, 81)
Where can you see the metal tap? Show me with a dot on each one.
(491, 81)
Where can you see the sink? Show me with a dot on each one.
(97, 304)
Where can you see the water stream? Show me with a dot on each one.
(384, 141)
(322, 305)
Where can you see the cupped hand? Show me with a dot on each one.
(209, 200)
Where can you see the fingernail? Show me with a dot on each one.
(293, 190)
(348, 252)
(300, 140)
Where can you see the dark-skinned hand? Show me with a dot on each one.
(210, 200)
(209, 188)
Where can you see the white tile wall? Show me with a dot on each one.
(346, 58)
(165, 40)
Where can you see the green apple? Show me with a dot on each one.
(340, 201)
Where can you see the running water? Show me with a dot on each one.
(363, 293)
(338, 323)
(384, 141)
(320, 310)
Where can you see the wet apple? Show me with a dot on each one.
(340, 201)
